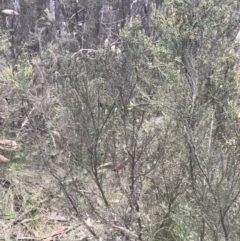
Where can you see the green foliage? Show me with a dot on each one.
(144, 140)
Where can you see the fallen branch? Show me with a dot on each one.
(124, 230)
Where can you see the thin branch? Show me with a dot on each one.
(210, 138)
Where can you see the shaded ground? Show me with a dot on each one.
(30, 210)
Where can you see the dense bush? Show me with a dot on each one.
(140, 131)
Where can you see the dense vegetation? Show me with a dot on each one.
(120, 120)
